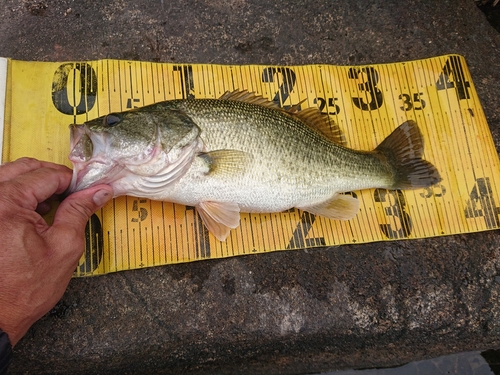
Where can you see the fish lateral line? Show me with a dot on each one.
(179, 128)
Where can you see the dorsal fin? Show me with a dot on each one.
(311, 117)
(316, 120)
(248, 97)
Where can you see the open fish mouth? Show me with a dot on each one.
(93, 173)
(87, 170)
(81, 151)
(80, 143)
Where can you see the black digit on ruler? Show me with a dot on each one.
(187, 81)
(437, 191)
(65, 101)
(396, 210)
(333, 108)
(142, 213)
(201, 234)
(409, 103)
(131, 103)
(453, 76)
(299, 240)
(94, 246)
(482, 203)
(288, 82)
(369, 86)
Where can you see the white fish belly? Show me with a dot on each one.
(256, 190)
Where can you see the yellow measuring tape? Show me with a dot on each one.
(367, 102)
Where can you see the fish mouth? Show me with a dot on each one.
(88, 169)
(80, 144)
(93, 173)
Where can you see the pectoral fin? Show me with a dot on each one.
(232, 162)
(340, 207)
(219, 218)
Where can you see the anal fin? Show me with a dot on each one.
(219, 217)
(340, 207)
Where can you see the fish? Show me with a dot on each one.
(241, 153)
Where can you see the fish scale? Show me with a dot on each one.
(241, 153)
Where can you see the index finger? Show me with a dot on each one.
(33, 187)
(11, 170)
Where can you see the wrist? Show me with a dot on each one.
(11, 327)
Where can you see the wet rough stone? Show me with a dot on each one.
(295, 312)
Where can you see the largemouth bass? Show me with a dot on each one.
(241, 153)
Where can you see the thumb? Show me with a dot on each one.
(74, 211)
(66, 235)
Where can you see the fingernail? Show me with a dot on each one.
(101, 197)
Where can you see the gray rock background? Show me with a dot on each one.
(295, 312)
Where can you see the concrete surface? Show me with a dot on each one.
(297, 312)
(465, 363)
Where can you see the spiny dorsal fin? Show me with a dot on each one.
(248, 97)
(311, 117)
(296, 108)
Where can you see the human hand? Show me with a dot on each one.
(38, 260)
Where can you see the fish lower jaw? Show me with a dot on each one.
(73, 186)
(95, 172)
(78, 183)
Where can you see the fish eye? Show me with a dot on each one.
(112, 120)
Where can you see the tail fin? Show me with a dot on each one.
(402, 149)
